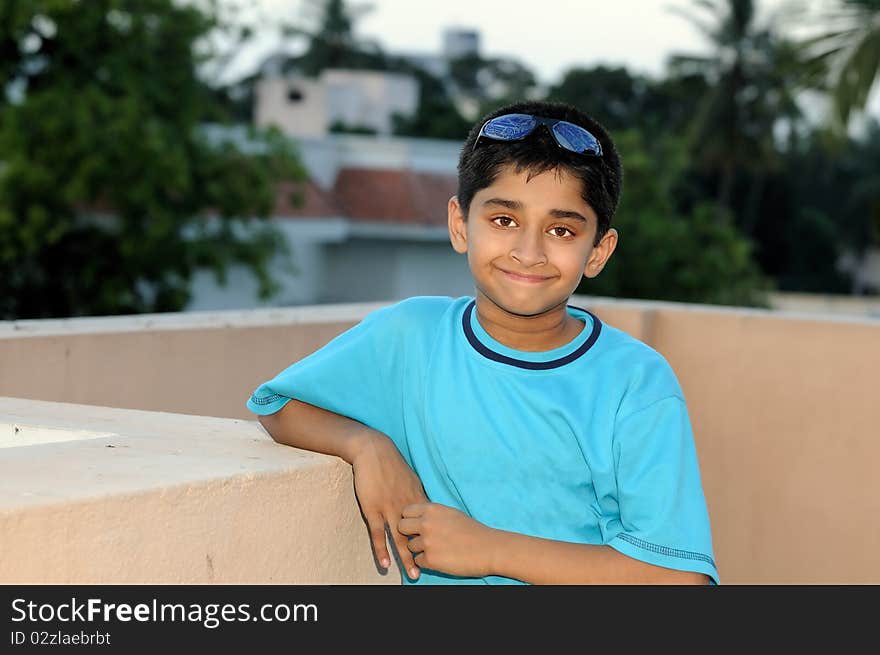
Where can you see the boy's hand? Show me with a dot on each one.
(384, 484)
(447, 540)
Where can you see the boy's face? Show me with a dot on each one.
(539, 227)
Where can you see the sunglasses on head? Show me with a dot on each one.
(515, 127)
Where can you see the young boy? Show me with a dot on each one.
(510, 437)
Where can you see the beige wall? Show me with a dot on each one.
(168, 499)
(204, 363)
(787, 421)
(784, 406)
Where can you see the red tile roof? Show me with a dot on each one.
(313, 201)
(360, 194)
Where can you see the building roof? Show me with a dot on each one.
(368, 194)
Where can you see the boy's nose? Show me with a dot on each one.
(529, 250)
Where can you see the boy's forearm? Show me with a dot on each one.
(547, 561)
(316, 429)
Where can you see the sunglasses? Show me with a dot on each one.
(515, 127)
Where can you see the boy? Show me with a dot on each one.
(510, 437)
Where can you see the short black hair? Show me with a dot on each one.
(601, 177)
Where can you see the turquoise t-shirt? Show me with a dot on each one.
(588, 443)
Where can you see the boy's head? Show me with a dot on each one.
(601, 177)
(534, 205)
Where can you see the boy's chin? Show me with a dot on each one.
(526, 307)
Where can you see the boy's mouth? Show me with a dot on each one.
(519, 277)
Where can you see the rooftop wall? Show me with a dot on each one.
(784, 409)
(153, 497)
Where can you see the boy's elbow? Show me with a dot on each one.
(693, 578)
(269, 423)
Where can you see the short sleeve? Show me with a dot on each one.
(358, 374)
(663, 515)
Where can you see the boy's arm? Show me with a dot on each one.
(546, 561)
(447, 540)
(384, 482)
(305, 426)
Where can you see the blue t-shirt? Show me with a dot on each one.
(588, 443)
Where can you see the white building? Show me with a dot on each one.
(307, 107)
(372, 227)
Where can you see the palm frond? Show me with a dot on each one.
(860, 71)
(704, 27)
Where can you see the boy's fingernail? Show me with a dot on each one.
(384, 562)
(413, 572)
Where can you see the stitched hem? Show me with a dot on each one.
(266, 400)
(666, 550)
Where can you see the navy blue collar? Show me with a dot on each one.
(484, 350)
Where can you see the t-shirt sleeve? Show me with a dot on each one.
(663, 515)
(357, 374)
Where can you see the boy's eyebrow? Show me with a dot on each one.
(516, 204)
(510, 204)
(564, 213)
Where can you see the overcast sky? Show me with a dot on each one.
(549, 36)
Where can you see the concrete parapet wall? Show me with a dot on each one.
(784, 407)
(169, 499)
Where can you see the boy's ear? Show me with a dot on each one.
(457, 226)
(601, 254)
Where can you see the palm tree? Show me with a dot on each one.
(332, 42)
(850, 48)
(753, 76)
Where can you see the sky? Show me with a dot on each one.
(549, 36)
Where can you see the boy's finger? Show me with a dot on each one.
(413, 510)
(377, 536)
(406, 558)
(408, 526)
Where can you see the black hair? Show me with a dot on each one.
(601, 177)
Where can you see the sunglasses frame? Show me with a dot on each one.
(550, 124)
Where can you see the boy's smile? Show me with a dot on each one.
(529, 241)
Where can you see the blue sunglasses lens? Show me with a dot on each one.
(575, 138)
(512, 127)
(509, 127)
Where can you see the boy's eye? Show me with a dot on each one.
(558, 231)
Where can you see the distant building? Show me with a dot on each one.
(459, 42)
(865, 270)
(309, 107)
(373, 227)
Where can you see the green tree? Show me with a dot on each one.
(436, 117)
(483, 84)
(331, 39)
(111, 197)
(664, 254)
(620, 100)
(611, 95)
(835, 193)
(486, 78)
(850, 51)
(753, 78)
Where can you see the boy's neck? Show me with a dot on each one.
(549, 330)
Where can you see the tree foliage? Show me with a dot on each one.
(620, 100)
(753, 76)
(111, 197)
(849, 50)
(833, 208)
(436, 116)
(331, 42)
(664, 253)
